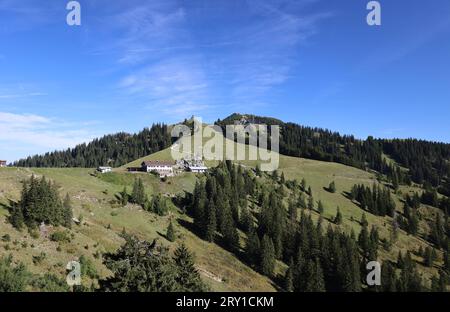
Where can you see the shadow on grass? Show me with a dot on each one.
(162, 235)
(10, 205)
(347, 195)
(327, 189)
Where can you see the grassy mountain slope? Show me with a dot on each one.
(319, 174)
(103, 221)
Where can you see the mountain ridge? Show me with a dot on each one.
(425, 161)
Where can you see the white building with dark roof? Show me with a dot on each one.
(104, 169)
(197, 169)
(163, 168)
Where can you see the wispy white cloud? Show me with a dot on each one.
(174, 63)
(175, 86)
(21, 95)
(270, 49)
(30, 132)
(142, 30)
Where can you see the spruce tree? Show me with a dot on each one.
(16, 216)
(198, 206)
(246, 219)
(363, 240)
(282, 179)
(320, 207)
(124, 196)
(267, 256)
(138, 194)
(253, 248)
(428, 257)
(310, 202)
(228, 228)
(314, 277)
(67, 212)
(289, 277)
(170, 234)
(303, 185)
(338, 218)
(187, 275)
(211, 222)
(332, 187)
(292, 211)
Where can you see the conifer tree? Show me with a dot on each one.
(338, 218)
(228, 228)
(198, 205)
(428, 257)
(138, 194)
(303, 185)
(301, 201)
(320, 207)
(314, 277)
(413, 224)
(124, 196)
(437, 232)
(133, 270)
(16, 216)
(267, 256)
(289, 277)
(332, 187)
(67, 212)
(310, 202)
(40, 202)
(246, 219)
(253, 248)
(363, 240)
(170, 234)
(187, 275)
(211, 222)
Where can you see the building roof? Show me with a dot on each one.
(198, 168)
(2, 161)
(157, 163)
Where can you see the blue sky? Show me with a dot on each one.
(132, 63)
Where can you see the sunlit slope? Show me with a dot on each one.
(103, 222)
(318, 175)
(92, 196)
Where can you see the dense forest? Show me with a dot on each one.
(113, 150)
(277, 220)
(425, 161)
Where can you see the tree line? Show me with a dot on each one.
(113, 150)
(426, 161)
